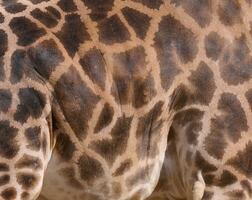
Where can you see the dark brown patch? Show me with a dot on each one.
(187, 116)
(69, 174)
(4, 179)
(214, 45)
(140, 22)
(18, 65)
(1, 18)
(94, 66)
(54, 12)
(105, 118)
(5, 100)
(73, 33)
(243, 161)
(112, 30)
(215, 143)
(38, 1)
(25, 196)
(131, 83)
(167, 42)
(150, 3)
(65, 147)
(247, 187)
(199, 10)
(9, 193)
(27, 180)
(33, 136)
(207, 195)
(148, 131)
(227, 178)
(99, 8)
(202, 164)
(26, 30)
(192, 132)
(46, 18)
(3, 43)
(8, 142)
(143, 91)
(248, 95)
(124, 167)
(45, 57)
(236, 194)
(229, 12)
(73, 94)
(12, 6)
(28, 161)
(236, 62)
(233, 119)
(90, 169)
(67, 5)
(110, 149)
(203, 83)
(4, 167)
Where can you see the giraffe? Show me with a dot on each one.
(105, 99)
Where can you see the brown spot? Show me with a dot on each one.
(28, 161)
(1, 18)
(3, 42)
(248, 95)
(202, 164)
(65, 147)
(32, 103)
(124, 167)
(140, 22)
(73, 95)
(179, 98)
(227, 178)
(53, 11)
(167, 42)
(150, 3)
(236, 62)
(215, 142)
(105, 118)
(112, 30)
(214, 45)
(33, 136)
(99, 8)
(9, 193)
(26, 31)
(4, 179)
(45, 57)
(5, 100)
(148, 132)
(193, 131)
(27, 180)
(199, 10)
(90, 169)
(132, 85)
(25, 196)
(67, 5)
(94, 66)
(243, 161)
(38, 1)
(73, 33)
(13, 6)
(190, 115)
(207, 195)
(203, 84)
(4, 167)
(45, 18)
(229, 12)
(8, 143)
(69, 174)
(111, 148)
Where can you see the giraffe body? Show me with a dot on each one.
(96, 97)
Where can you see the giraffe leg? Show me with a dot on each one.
(24, 142)
(199, 187)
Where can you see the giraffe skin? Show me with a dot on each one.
(125, 99)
